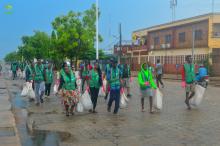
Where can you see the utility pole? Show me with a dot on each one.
(173, 5)
(97, 29)
(193, 43)
(120, 43)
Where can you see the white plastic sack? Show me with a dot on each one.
(79, 107)
(31, 94)
(86, 101)
(25, 89)
(101, 92)
(55, 88)
(199, 95)
(123, 100)
(158, 99)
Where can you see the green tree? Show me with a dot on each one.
(11, 57)
(76, 34)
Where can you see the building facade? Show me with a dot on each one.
(171, 42)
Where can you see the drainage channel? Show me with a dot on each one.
(36, 138)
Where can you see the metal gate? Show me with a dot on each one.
(216, 61)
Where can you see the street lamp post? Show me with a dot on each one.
(97, 29)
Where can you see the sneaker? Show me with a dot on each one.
(37, 104)
(90, 110)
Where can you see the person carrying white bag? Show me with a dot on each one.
(199, 95)
(147, 83)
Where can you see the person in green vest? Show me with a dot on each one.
(14, 68)
(39, 81)
(29, 73)
(114, 79)
(188, 78)
(95, 84)
(126, 75)
(147, 83)
(48, 73)
(68, 89)
(84, 75)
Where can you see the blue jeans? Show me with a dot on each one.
(114, 96)
(38, 96)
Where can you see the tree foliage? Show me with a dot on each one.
(73, 37)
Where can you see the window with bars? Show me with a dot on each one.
(182, 37)
(198, 35)
(156, 40)
(168, 39)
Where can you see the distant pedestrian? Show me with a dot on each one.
(159, 74)
(146, 82)
(0, 69)
(14, 68)
(39, 82)
(188, 78)
(114, 81)
(107, 74)
(126, 75)
(48, 73)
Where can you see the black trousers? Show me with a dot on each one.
(47, 89)
(159, 79)
(94, 96)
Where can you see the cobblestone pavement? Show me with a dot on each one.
(173, 126)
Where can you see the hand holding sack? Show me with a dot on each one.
(158, 99)
(199, 95)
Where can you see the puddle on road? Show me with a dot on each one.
(37, 138)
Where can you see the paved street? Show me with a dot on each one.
(173, 126)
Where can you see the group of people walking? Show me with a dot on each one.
(112, 80)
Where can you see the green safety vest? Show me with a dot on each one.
(14, 67)
(49, 75)
(115, 79)
(39, 75)
(94, 81)
(189, 73)
(69, 82)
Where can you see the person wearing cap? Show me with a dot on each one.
(188, 78)
(147, 83)
(114, 80)
(38, 74)
(68, 89)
